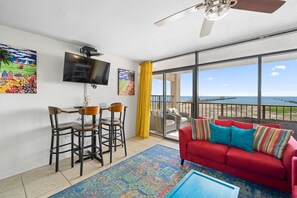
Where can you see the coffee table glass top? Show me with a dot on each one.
(196, 184)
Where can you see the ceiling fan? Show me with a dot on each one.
(217, 9)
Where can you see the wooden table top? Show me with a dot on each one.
(76, 109)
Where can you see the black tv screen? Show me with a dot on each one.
(85, 70)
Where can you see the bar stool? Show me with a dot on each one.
(115, 118)
(59, 130)
(116, 129)
(80, 130)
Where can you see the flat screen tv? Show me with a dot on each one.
(85, 70)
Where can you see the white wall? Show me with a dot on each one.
(24, 121)
(266, 45)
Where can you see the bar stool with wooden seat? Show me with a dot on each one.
(81, 130)
(59, 130)
(116, 129)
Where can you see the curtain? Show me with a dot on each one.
(144, 100)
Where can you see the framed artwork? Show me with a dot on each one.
(17, 70)
(126, 82)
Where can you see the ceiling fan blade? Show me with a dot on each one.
(206, 27)
(266, 6)
(180, 14)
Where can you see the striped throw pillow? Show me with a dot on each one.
(271, 141)
(200, 129)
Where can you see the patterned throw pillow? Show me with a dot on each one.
(200, 129)
(271, 141)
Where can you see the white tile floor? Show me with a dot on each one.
(44, 181)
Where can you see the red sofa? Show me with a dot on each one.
(294, 177)
(256, 167)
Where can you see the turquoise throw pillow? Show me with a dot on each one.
(242, 138)
(220, 134)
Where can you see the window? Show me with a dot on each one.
(228, 89)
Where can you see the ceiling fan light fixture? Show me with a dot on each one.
(217, 9)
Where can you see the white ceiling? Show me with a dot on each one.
(126, 27)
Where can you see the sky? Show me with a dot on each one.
(278, 79)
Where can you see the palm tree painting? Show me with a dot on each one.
(126, 82)
(17, 70)
(5, 57)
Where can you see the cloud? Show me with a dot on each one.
(273, 69)
(225, 85)
(28, 52)
(12, 50)
(282, 67)
(274, 74)
(28, 59)
(24, 54)
(209, 78)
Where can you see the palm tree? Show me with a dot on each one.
(5, 57)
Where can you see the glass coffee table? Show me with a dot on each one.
(196, 184)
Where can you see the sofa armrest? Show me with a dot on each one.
(294, 172)
(290, 151)
(185, 135)
(170, 116)
(184, 114)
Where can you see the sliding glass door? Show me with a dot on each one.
(157, 99)
(179, 101)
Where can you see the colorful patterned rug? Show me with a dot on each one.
(152, 173)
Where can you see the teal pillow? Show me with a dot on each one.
(242, 138)
(220, 134)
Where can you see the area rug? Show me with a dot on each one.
(153, 173)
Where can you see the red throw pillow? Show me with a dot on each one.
(226, 123)
(243, 125)
(277, 126)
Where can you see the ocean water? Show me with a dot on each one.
(266, 100)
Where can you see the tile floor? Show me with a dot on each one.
(44, 181)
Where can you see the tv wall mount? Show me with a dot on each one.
(89, 51)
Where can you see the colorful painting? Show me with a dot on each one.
(17, 70)
(126, 82)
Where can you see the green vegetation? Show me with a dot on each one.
(122, 84)
(27, 70)
(275, 109)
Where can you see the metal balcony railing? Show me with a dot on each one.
(213, 110)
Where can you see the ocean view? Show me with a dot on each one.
(266, 100)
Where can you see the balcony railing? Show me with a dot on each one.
(213, 110)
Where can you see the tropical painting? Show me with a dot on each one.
(17, 70)
(126, 80)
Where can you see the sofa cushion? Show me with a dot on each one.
(277, 126)
(242, 125)
(205, 149)
(242, 138)
(294, 192)
(201, 117)
(271, 141)
(200, 129)
(220, 134)
(256, 162)
(226, 123)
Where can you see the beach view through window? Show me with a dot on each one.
(229, 90)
